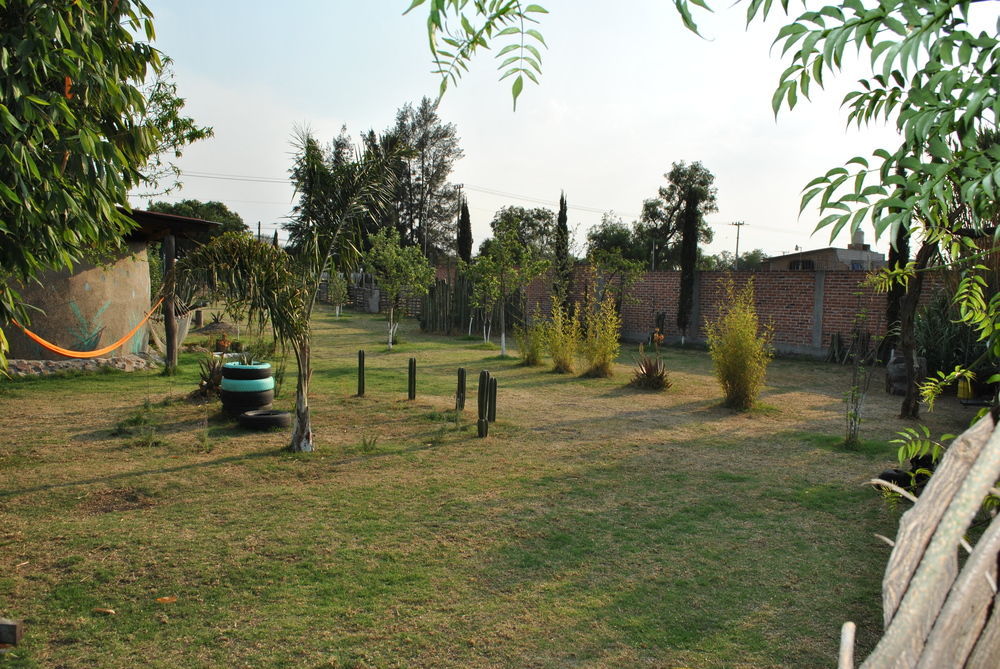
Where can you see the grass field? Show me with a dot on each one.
(596, 526)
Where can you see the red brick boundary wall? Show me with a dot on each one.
(804, 308)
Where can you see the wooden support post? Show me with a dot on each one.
(11, 631)
(169, 313)
(460, 391)
(491, 409)
(483, 424)
(361, 373)
(411, 387)
(199, 318)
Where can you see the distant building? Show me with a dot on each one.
(857, 256)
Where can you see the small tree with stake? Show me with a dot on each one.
(399, 272)
(273, 286)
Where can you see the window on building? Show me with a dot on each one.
(802, 264)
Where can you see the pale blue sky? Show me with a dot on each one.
(625, 92)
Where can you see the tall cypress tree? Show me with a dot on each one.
(563, 270)
(696, 193)
(465, 233)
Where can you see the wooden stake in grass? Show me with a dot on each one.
(491, 409)
(411, 387)
(460, 390)
(361, 373)
(483, 424)
(11, 631)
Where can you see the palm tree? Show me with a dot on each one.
(338, 193)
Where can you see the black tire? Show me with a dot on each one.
(246, 373)
(264, 420)
(246, 401)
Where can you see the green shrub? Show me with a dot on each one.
(530, 339)
(562, 338)
(650, 371)
(739, 346)
(601, 346)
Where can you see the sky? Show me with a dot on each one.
(625, 92)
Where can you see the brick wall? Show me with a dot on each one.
(805, 308)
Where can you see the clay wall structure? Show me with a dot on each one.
(88, 309)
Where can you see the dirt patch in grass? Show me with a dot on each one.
(108, 500)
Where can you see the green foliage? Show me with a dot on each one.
(740, 348)
(275, 288)
(398, 271)
(337, 289)
(726, 261)
(140, 427)
(163, 112)
(217, 212)
(562, 261)
(424, 204)
(602, 327)
(473, 30)
(944, 340)
(931, 76)
(530, 339)
(210, 372)
(563, 338)
(369, 443)
(464, 237)
(618, 274)
(535, 230)
(483, 274)
(74, 137)
(513, 262)
(650, 371)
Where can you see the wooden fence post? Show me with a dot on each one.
(460, 391)
(361, 373)
(411, 387)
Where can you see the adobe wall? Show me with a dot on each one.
(90, 309)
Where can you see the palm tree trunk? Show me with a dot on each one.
(302, 436)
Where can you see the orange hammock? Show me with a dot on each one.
(87, 354)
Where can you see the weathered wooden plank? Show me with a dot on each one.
(918, 525)
(903, 642)
(964, 613)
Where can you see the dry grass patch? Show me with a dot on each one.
(597, 525)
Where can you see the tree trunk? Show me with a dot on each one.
(689, 260)
(169, 309)
(302, 436)
(392, 330)
(899, 255)
(503, 329)
(907, 340)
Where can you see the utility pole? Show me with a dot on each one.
(736, 261)
(258, 231)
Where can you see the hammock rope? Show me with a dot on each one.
(87, 354)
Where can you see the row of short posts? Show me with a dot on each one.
(487, 400)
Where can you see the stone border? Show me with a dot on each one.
(126, 363)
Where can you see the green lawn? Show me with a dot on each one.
(597, 526)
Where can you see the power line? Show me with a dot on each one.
(478, 189)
